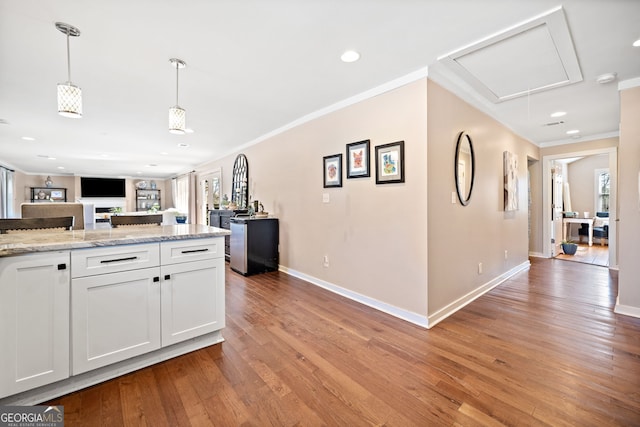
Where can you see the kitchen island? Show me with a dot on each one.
(82, 306)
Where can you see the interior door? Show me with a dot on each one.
(209, 187)
(556, 209)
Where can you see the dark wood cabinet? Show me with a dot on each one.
(48, 194)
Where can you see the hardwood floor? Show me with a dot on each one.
(596, 254)
(543, 348)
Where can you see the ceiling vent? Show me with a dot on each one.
(554, 123)
(531, 57)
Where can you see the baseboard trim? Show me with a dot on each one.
(406, 315)
(448, 310)
(626, 310)
(538, 255)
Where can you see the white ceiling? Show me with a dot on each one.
(256, 66)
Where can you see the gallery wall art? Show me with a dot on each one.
(510, 164)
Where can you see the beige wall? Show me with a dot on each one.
(461, 237)
(629, 202)
(374, 235)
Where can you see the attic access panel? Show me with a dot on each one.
(531, 57)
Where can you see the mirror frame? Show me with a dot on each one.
(240, 182)
(464, 199)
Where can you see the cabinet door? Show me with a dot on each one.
(34, 321)
(192, 299)
(115, 316)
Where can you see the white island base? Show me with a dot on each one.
(96, 376)
(79, 308)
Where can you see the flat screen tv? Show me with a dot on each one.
(102, 187)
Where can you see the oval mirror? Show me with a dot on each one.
(464, 168)
(240, 182)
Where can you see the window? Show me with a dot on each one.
(602, 190)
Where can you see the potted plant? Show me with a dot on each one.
(569, 248)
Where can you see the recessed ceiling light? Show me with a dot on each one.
(183, 145)
(559, 114)
(28, 138)
(350, 56)
(636, 43)
(60, 167)
(573, 132)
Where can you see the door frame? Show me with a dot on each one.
(613, 200)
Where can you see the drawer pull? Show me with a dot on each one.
(156, 279)
(195, 250)
(167, 277)
(107, 261)
(62, 266)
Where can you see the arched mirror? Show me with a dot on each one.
(240, 183)
(464, 168)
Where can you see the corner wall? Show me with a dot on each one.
(629, 203)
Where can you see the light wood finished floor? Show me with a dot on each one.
(596, 254)
(543, 348)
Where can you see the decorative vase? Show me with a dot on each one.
(48, 182)
(181, 219)
(569, 248)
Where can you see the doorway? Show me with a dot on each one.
(554, 181)
(209, 187)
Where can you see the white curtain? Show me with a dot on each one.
(6, 192)
(183, 189)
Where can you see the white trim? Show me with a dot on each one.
(566, 141)
(409, 316)
(626, 310)
(370, 93)
(461, 302)
(538, 255)
(629, 84)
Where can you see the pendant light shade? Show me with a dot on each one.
(69, 95)
(177, 115)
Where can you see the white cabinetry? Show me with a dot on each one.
(34, 321)
(192, 288)
(115, 294)
(130, 300)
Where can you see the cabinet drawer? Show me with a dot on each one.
(112, 259)
(191, 250)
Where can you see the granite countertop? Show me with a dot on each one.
(100, 235)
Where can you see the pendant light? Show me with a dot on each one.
(69, 95)
(177, 115)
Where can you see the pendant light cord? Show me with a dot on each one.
(177, 70)
(68, 60)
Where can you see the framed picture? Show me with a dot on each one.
(510, 165)
(332, 170)
(56, 194)
(358, 159)
(390, 163)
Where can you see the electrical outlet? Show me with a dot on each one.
(479, 268)
(453, 197)
(325, 198)
(325, 261)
